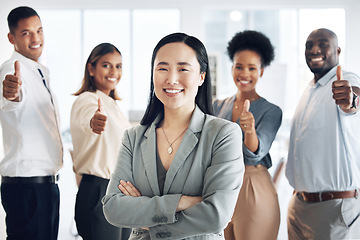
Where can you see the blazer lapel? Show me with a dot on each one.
(187, 145)
(148, 152)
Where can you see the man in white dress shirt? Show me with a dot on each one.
(324, 152)
(31, 136)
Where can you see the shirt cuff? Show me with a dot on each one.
(7, 105)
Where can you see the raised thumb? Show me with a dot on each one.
(246, 106)
(17, 68)
(339, 73)
(100, 105)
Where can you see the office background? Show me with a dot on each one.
(73, 27)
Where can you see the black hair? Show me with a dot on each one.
(254, 41)
(203, 98)
(88, 82)
(17, 14)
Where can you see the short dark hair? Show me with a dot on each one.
(17, 14)
(254, 41)
(203, 98)
(88, 82)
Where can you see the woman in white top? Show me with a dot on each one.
(97, 126)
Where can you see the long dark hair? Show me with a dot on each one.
(203, 98)
(88, 82)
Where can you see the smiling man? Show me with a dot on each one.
(323, 163)
(31, 136)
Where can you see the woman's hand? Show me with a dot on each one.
(128, 189)
(187, 202)
(98, 121)
(247, 124)
(247, 120)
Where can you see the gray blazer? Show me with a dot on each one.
(208, 163)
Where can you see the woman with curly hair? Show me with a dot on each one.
(257, 212)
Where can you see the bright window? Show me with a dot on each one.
(285, 79)
(70, 35)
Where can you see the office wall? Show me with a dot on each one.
(192, 12)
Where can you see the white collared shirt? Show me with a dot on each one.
(324, 146)
(31, 135)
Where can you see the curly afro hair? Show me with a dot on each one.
(254, 41)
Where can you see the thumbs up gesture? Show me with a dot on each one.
(12, 84)
(247, 121)
(98, 121)
(342, 91)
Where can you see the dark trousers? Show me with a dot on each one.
(89, 217)
(32, 210)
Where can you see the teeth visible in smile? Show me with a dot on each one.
(111, 79)
(36, 46)
(318, 59)
(244, 82)
(172, 90)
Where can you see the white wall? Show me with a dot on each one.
(192, 12)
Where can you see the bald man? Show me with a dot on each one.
(324, 151)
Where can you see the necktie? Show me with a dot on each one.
(44, 82)
(43, 79)
(52, 102)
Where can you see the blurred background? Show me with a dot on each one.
(72, 28)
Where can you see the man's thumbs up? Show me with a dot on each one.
(98, 121)
(12, 84)
(17, 69)
(342, 91)
(339, 73)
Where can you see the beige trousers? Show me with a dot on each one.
(336, 219)
(257, 211)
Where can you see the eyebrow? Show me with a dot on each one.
(319, 40)
(250, 64)
(184, 64)
(27, 30)
(179, 63)
(110, 63)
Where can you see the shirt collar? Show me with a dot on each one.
(104, 97)
(25, 60)
(326, 78)
(30, 63)
(196, 122)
